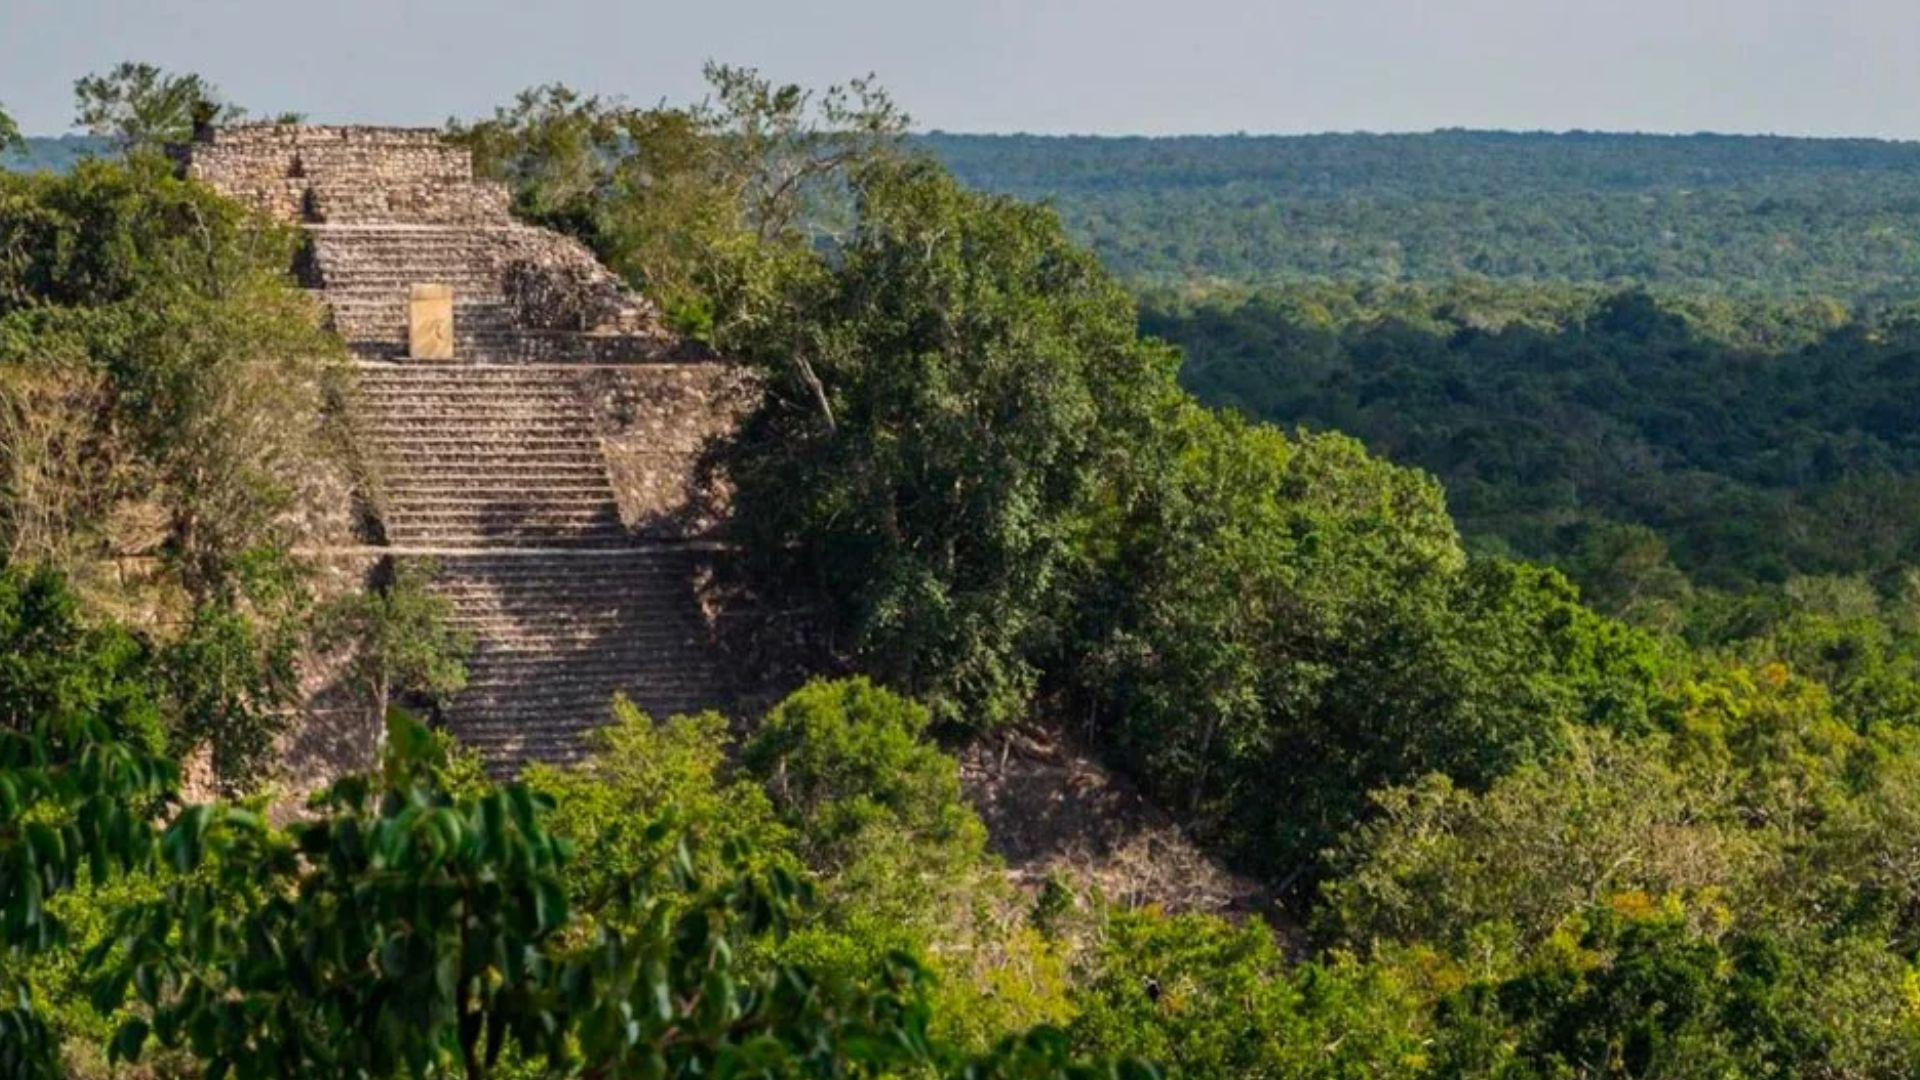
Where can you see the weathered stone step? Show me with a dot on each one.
(491, 519)
(528, 590)
(642, 603)
(412, 530)
(490, 311)
(490, 490)
(523, 627)
(401, 463)
(625, 588)
(480, 394)
(532, 595)
(495, 526)
(540, 514)
(510, 642)
(551, 708)
(530, 638)
(566, 673)
(397, 429)
(544, 512)
(526, 451)
(534, 695)
(393, 411)
(588, 473)
(444, 441)
(631, 593)
(417, 461)
(555, 717)
(532, 641)
(390, 300)
(578, 542)
(456, 569)
(492, 523)
(387, 409)
(467, 376)
(579, 466)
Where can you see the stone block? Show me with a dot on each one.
(430, 322)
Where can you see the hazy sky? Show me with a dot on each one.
(1790, 66)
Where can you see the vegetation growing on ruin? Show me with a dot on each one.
(171, 431)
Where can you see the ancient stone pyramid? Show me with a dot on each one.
(548, 466)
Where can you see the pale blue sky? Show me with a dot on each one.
(1150, 66)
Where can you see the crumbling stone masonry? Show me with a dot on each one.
(549, 467)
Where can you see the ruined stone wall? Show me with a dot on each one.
(387, 208)
(661, 427)
(312, 173)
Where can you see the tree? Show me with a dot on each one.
(142, 108)
(699, 206)
(950, 395)
(641, 770)
(837, 785)
(1208, 997)
(1633, 990)
(1443, 867)
(9, 134)
(877, 812)
(400, 637)
(841, 757)
(81, 768)
(163, 316)
(1276, 626)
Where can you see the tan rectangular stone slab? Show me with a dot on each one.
(430, 322)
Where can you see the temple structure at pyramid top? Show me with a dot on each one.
(387, 209)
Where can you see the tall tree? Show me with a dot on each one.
(952, 392)
(142, 108)
(696, 205)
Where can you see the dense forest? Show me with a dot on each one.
(51, 154)
(1661, 827)
(1730, 214)
(1756, 441)
(1679, 359)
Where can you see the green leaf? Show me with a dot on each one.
(128, 1041)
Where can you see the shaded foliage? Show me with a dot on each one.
(977, 378)
(1755, 441)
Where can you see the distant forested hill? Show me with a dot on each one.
(1725, 213)
(56, 154)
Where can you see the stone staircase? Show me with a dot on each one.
(495, 465)
(364, 272)
(486, 456)
(558, 633)
(496, 475)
